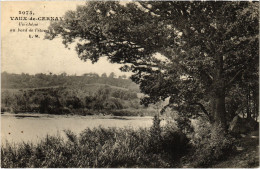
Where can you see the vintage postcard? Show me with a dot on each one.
(126, 84)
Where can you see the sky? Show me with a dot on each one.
(21, 54)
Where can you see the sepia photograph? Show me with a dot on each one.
(129, 84)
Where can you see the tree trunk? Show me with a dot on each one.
(256, 102)
(220, 112)
(248, 111)
(219, 95)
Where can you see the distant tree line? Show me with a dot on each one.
(63, 100)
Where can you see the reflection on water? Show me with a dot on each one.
(25, 116)
(17, 128)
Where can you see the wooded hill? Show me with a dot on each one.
(19, 81)
(62, 94)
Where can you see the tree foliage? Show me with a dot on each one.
(193, 52)
(77, 95)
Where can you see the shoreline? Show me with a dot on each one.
(100, 116)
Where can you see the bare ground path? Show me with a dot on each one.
(247, 155)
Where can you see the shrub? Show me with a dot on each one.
(175, 142)
(113, 103)
(125, 112)
(211, 143)
(155, 135)
(74, 102)
(168, 138)
(5, 109)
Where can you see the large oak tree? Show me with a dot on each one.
(192, 52)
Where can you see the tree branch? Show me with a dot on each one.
(204, 110)
(234, 78)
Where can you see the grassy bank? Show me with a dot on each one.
(100, 147)
(87, 112)
(154, 147)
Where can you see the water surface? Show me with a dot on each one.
(18, 128)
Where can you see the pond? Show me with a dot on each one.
(18, 128)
